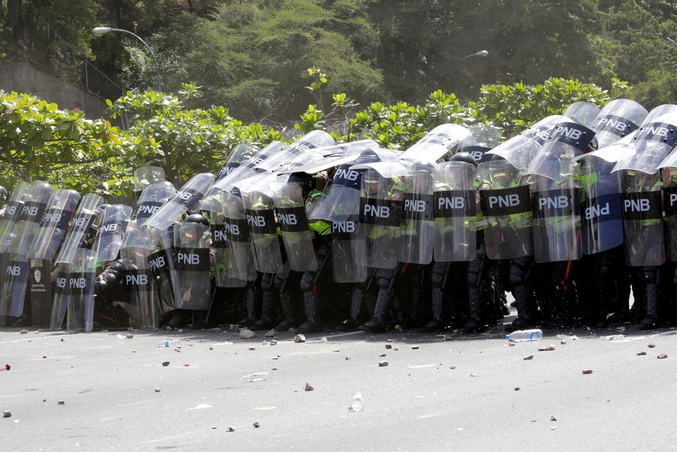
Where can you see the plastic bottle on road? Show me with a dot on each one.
(525, 335)
(258, 376)
(356, 402)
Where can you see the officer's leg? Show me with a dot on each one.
(519, 280)
(252, 301)
(385, 279)
(649, 279)
(438, 277)
(268, 302)
(474, 281)
(563, 293)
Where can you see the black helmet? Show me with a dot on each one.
(196, 218)
(464, 157)
(305, 180)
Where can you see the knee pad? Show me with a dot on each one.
(306, 283)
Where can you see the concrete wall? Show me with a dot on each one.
(22, 78)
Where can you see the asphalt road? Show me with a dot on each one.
(462, 393)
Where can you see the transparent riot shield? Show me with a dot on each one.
(152, 198)
(81, 285)
(145, 176)
(11, 216)
(293, 223)
(161, 263)
(642, 219)
(78, 228)
(381, 202)
(143, 306)
(618, 118)
(111, 233)
(184, 200)
(455, 208)
(260, 214)
(15, 283)
(62, 294)
(601, 209)
(232, 248)
(192, 265)
(506, 208)
(418, 220)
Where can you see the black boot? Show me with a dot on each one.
(253, 306)
(312, 324)
(179, 318)
(351, 323)
(650, 296)
(563, 304)
(287, 313)
(473, 324)
(523, 303)
(266, 321)
(375, 325)
(199, 320)
(435, 324)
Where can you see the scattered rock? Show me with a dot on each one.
(166, 363)
(528, 357)
(517, 388)
(511, 344)
(389, 346)
(347, 358)
(336, 351)
(211, 348)
(398, 327)
(547, 348)
(642, 353)
(234, 328)
(213, 427)
(129, 336)
(309, 387)
(382, 363)
(130, 329)
(273, 342)
(651, 345)
(662, 356)
(563, 342)
(553, 418)
(44, 357)
(157, 389)
(299, 338)
(6, 414)
(271, 333)
(257, 425)
(452, 367)
(23, 332)
(247, 334)
(180, 330)
(274, 368)
(382, 355)
(252, 348)
(447, 337)
(63, 340)
(587, 371)
(323, 339)
(415, 347)
(61, 402)
(230, 429)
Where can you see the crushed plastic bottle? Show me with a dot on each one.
(258, 376)
(356, 402)
(613, 337)
(525, 335)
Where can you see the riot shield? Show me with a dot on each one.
(506, 208)
(78, 228)
(418, 220)
(601, 209)
(14, 285)
(618, 118)
(137, 279)
(437, 143)
(556, 194)
(161, 263)
(642, 219)
(455, 208)
(192, 264)
(242, 152)
(62, 294)
(582, 112)
(112, 231)
(51, 233)
(260, 214)
(184, 200)
(232, 248)
(381, 202)
(294, 228)
(520, 149)
(341, 207)
(244, 169)
(152, 198)
(652, 142)
(80, 315)
(12, 212)
(145, 176)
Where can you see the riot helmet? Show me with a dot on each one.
(465, 157)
